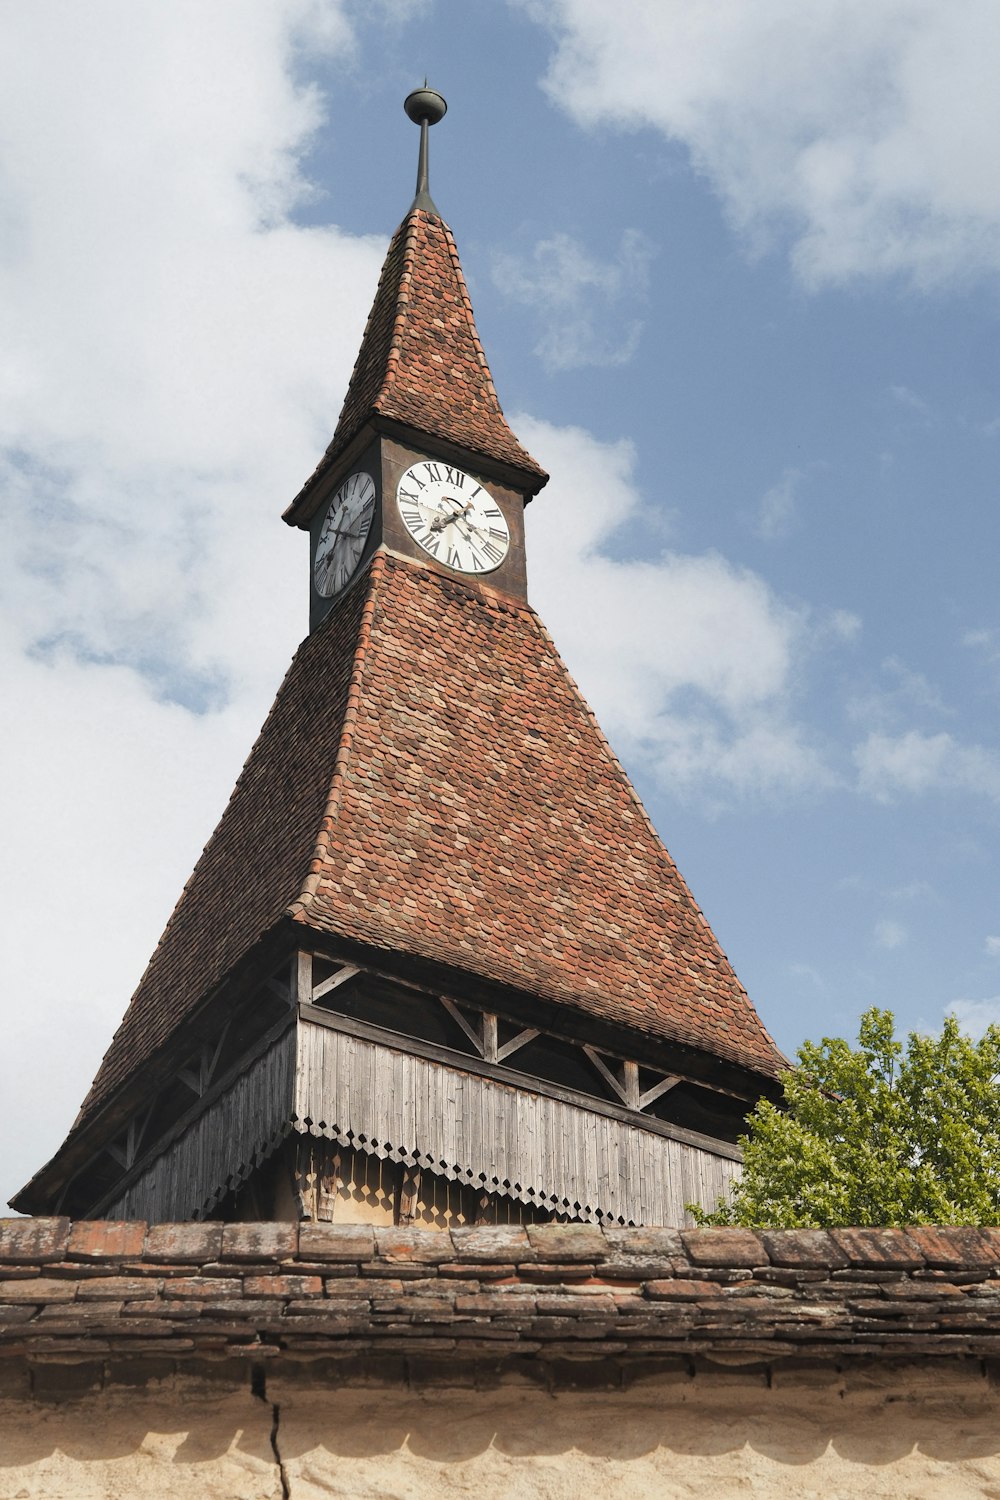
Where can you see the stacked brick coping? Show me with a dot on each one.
(118, 1292)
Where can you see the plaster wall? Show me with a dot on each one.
(923, 1432)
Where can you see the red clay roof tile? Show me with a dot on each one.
(431, 782)
(421, 362)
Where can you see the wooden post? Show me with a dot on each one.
(303, 978)
(327, 1181)
(409, 1193)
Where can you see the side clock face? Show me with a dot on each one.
(343, 534)
(452, 517)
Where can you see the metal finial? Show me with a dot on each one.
(425, 107)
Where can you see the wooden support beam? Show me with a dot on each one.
(663, 1087)
(456, 1015)
(489, 1037)
(302, 978)
(282, 990)
(213, 1061)
(117, 1154)
(193, 1081)
(141, 1123)
(334, 982)
(616, 1086)
(627, 1086)
(517, 1042)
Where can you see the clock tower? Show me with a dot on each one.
(422, 462)
(434, 965)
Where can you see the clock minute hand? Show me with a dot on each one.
(440, 522)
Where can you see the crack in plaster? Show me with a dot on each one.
(258, 1388)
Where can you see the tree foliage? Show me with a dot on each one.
(878, 1134)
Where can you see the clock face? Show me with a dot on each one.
(343, 534)
(452, 517)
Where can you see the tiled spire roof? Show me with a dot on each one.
(431, 783)
(421, 363)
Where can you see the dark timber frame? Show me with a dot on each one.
(330, 989)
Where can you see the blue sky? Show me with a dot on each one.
(736, 271)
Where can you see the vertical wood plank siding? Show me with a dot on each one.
(399, 1107)
(477, 1130)
(220, 1149)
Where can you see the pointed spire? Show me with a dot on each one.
(425, 108)
(421, 365)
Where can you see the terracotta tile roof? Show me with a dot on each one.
(479, 818)
(430, 782)
(121, 1291)
(421, 362)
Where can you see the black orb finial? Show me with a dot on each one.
(425, 108)
(425, 104)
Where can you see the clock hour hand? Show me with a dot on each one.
(440, 522)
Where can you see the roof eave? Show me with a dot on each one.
(529, 480)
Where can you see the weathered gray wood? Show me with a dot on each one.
(517, 1042)
(615, 1084)
(339, 1080)
(213, 1061)
(463, 1061)
(303, 977)
(334, 982)
(470, 1031)
(479, 1130)
(663, 1087)
(220, 1148)
(409, 1196)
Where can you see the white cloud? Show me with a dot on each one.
(905, 397)
(777, 515)
(584, 305)
(993, 947)
(889, 934)
(864, 134)
(900, 690)
(845, 624)
(916, 764)
(173, 348)
(155, 407)
(912, 890)
(975, 1015)
(985, 642)
(689, 661)
(808, 974)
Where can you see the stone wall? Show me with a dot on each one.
(250, 1360)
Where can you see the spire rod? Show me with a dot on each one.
(425, 108)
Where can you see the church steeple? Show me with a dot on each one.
(421, 375)
(434, 961)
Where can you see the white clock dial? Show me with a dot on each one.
(343, 534)
(451, 516)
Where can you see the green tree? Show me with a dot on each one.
(877, 1134)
